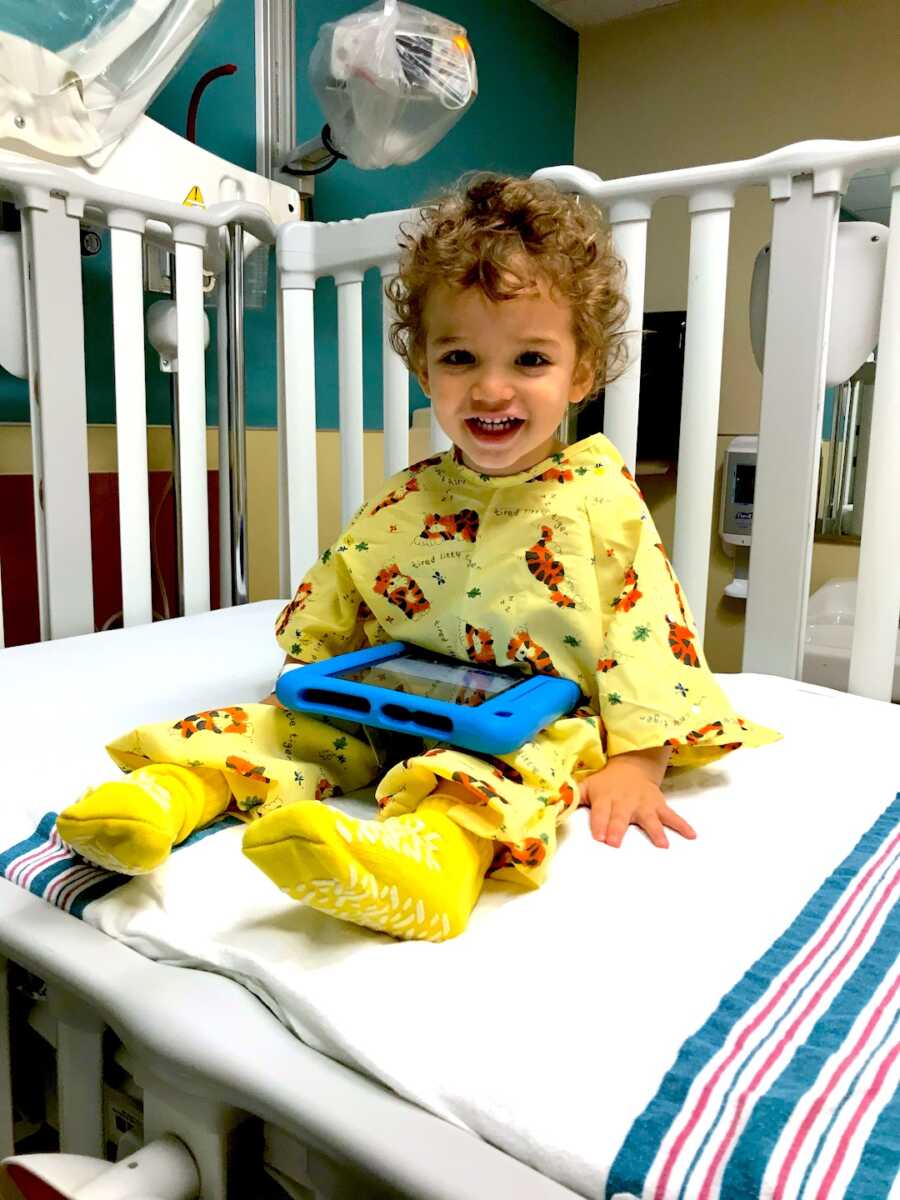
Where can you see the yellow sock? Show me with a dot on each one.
(415, 876)
(130, 825)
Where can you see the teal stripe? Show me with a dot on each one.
(32, 842)
(847, 1097)
(879, 1165)
(765, 1043)
(109, 881)
(641, 1145)
(97, 891)
(751, 1154)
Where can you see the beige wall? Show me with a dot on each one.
(710, 81)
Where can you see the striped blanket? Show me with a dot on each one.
(790, 1090)
(43, 864)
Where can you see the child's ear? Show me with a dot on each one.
(422, 376)
(582, 381)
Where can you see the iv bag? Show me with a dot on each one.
(76, 74)
(392, 79)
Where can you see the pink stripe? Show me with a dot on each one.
(75, 887)
(865, 1103)
(18, 863)
(49, 858)
(59, 885)
(703, 1099)
(824, 1095)
(23, 869)
(784, 1040)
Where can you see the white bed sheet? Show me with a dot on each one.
(547, 1027)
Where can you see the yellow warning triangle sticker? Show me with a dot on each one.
(194, 199)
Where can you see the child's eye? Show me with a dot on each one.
(457, 358)
(532, 358)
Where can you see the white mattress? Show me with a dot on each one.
(547, 1026)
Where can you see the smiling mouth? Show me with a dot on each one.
(493, 429)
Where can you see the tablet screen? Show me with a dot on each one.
(438, 679)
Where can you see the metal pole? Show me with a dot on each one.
(224, 426)
(176, 472)
(237, 418)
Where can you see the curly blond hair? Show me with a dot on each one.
(504, 235)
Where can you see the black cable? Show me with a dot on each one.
(326, 166)
(329, 145)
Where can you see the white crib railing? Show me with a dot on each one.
(805, 184)
(52, 203)
(344, 250)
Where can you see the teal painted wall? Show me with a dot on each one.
(523, 118)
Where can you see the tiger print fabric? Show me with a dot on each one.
(556, 570)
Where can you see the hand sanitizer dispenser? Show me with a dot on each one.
(736, 512)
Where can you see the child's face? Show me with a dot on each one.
(501, 375)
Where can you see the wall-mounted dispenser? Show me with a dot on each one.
(736, 511)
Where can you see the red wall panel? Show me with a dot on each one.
(18, 559)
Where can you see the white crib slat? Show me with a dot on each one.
(79, 1065)
(395, 390)
(298, 433)
(350, 377)
(284, 541)
(878, 586)
(804, 235)
(192, 417)
(131, 420)
(707, 274)
(620, 419)
(55, 328)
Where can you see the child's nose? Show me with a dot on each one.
(492, 387)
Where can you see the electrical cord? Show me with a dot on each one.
(329, 145)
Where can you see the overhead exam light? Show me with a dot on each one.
(76, 74)
(392, 80)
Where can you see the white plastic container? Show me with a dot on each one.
(829, 635)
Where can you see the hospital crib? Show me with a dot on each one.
(170, 1033)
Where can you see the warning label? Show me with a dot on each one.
(194, 199)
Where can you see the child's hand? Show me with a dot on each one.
(626, 792)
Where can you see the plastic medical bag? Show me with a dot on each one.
(392, 79)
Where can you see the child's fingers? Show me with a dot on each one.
(600, 811)
(672, 819)
(652, 826)
(617, 827)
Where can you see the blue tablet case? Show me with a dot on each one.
(407, 690)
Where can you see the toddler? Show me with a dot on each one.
(512, 550)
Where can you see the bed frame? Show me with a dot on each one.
(316, 1124)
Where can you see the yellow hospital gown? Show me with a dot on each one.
(555, 570)
(558, 569)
